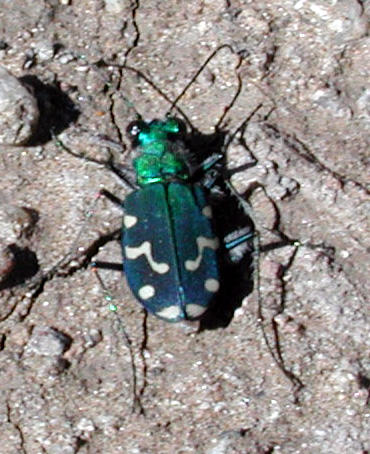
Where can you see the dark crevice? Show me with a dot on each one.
(143, 347)
(63, 268)
(275, 346)
(293, 377)
(135, 4)
(17, 428)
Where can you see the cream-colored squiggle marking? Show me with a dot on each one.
(202, 242)
(212, 285)
(146, 292)
(169, 313)
(129, 221)
(194, 310)
(146, 249)
(207, 211)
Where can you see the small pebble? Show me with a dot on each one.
(115, 6)
(47, 341)
(45, 50)
(66, 58)
(22, 219)
(7, 261)
(19, 113)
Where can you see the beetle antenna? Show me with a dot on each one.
(173, 103)
(155, 87)
(200, 70)
(242, 127)
(131, 105)
(120, 327)
(233, 101)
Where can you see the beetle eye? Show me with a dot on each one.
(135, 128)
(181, 128)
(175, 127)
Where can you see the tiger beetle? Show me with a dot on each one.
(172, 247)
(169, 246)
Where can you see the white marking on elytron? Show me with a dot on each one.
(202, 242)
(146, 292)
(129, 221)
(146, 249)
(194, 310)
(207, 211)
(170, 312)
(212, 285)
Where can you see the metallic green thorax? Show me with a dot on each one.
(157, 162)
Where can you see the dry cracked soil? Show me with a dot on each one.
(282, 364)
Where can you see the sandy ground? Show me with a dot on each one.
(300, 384)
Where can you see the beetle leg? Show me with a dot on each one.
(107, 266)
(210, 162)
(234, 242)
(112, 198)
(123, 173)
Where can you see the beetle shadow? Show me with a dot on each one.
(57, 110)
(229, 217)
(24, 266)
(236, 269)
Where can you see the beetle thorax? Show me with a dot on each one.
(160, 158)
(166, 167)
